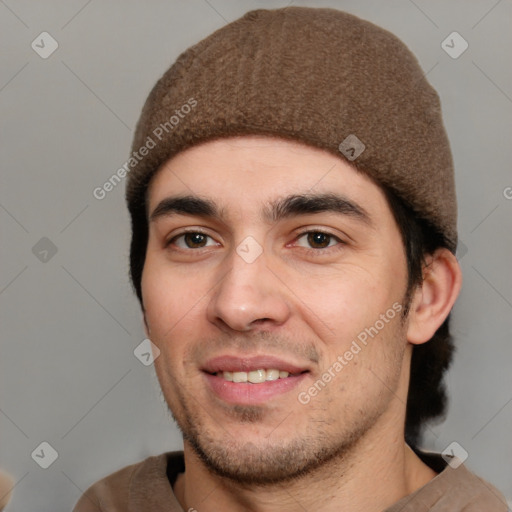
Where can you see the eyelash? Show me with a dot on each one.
(320, 251)
(315, 252)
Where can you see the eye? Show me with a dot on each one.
(192, 240)
(317, 240)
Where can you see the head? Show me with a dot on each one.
(298, 254)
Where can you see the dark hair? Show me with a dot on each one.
(139, 243)
(427, 399)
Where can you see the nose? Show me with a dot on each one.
(249, 296)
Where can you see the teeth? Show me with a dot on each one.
(254, 377)
(273, 374)
(257, 376)
(239, 376)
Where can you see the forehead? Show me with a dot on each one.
(245, 172)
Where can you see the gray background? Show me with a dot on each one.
(69, 325)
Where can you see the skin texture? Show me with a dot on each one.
(304, 299)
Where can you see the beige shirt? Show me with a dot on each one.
(147, 486)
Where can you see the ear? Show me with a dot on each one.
(434, 298)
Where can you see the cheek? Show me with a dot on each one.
(170, 299)
(346, 300)
(172, 308)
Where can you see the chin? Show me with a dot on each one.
(265, 461)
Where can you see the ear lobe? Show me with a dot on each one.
(434, 298)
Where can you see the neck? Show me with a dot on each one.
(384, 464)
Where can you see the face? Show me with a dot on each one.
(273, 287)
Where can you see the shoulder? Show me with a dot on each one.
(117, 491)
(455, 488)
(475, 493)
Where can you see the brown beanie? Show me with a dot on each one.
(320, 76)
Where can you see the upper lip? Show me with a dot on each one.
(229, 363)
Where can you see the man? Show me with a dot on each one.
(293, 237)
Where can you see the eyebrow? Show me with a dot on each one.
(274, 211)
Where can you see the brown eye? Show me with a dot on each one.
(319, 240)
(192, 240)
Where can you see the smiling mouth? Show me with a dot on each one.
(255, 376)
(251, 380)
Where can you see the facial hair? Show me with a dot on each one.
(280, 460)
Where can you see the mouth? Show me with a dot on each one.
(255, 376)
(251, 380)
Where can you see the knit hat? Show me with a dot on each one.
(316, 75)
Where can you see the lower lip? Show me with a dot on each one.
(244, 393)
